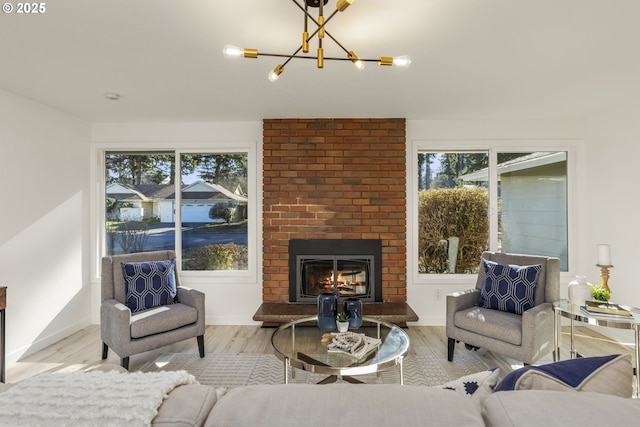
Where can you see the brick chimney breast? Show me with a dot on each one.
(334, 179)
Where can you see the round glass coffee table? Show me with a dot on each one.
(299, 345)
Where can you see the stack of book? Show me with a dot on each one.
(605, 308)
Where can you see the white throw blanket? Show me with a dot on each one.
(89, 399)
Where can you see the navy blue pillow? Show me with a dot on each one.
(149, 284)
(571, 372)
(510, 288)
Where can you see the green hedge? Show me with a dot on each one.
(452, 212)
(228, 256)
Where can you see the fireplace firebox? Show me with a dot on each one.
(346, 268)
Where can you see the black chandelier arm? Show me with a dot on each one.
(295, 55)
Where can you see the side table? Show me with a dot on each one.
(3, 305)
(564, 308)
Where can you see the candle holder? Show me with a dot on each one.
(604, 275)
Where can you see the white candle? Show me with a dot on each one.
(604, 255)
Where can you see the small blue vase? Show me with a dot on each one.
(327, 311)
(353, 308)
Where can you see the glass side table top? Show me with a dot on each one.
(569, 310)
(299, 345)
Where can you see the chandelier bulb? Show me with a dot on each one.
(275, 74)
(402, 61)
(356, 61)
(231, 51)
(398, 61)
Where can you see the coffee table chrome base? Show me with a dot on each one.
(294, 351)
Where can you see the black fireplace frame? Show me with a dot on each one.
(336, 247)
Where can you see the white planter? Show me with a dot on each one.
(343, 326)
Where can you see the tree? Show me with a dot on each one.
(228, 170)
(136, 169)
(454, 165)
(424, 170)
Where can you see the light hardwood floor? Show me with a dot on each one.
(82, 350)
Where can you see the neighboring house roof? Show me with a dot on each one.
(202, 191)
(149, 192)
(532, 160)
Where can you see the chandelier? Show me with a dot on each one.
(320, 32)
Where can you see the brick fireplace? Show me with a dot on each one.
(334, 179)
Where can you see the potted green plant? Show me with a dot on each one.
(600, 293)
(343, 322)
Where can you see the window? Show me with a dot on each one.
(214, 211)
(453, 213)
(458, 190)
(146, 193)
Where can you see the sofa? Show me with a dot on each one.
(396, 405)
(589, 391)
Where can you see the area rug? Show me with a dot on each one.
(234, 370)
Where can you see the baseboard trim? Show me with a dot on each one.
(44, 342)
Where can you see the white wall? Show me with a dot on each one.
(480, 134)
(611, 205)
(231, 298)
(44, 166)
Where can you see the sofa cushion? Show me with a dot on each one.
(149, 284)
(535, 408)
(604, 374)
(162, 319)
(186, 406)
(509, 288)
(343, 404)
(491, 323)
(476, 386)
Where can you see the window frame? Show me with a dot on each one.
(98, 225)
(492, 147)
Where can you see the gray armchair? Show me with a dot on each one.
(126, 333)
(526, 337)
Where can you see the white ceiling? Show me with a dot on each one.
(472, 59)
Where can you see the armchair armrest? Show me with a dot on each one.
(461, 300)
(115, 320)
(538, 314)
(191, 297)
(537, 328)
(195, 299)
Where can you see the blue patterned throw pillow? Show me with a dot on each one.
(509, 288)
(149, 284)
(476, 386)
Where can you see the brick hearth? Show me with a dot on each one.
(334, 179)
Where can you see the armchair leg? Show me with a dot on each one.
(451, 345)
(105, 351)
(200, 339)
(125, 363)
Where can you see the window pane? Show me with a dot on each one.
(453, 211)
(214, 211)
(533, 204)
(139, 196)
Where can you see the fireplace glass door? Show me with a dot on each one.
(345, 276)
